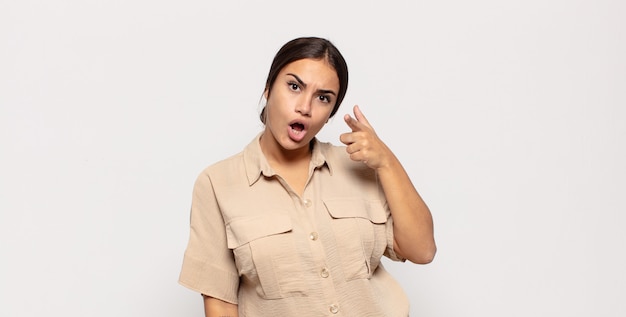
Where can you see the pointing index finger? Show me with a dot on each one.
(358, 114)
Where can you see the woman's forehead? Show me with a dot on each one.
(312, 71)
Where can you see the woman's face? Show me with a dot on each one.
(300, 103)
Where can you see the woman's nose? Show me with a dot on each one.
(304, 105)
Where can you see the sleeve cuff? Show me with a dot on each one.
(209, 280)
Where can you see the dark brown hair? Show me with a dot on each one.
(313, 48)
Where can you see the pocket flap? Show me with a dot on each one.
(243, 230)
(372, 210)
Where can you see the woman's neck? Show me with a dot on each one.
(277, 154)
(291, 165)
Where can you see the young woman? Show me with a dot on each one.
(292, 226)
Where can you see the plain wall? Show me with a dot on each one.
(509, 116)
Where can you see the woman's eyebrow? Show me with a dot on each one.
(303, 84)
(298, 80)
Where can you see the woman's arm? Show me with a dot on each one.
(214, 307)
(412, 220)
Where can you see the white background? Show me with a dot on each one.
(508, 115)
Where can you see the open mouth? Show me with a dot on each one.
(297, 127)
(297, 131)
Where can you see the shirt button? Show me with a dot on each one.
(334, 308)
(324, 273)
(307, 203)
(313, 236)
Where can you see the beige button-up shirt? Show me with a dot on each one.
(256, 243)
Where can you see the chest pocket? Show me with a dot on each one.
(265, 254)
(361, 230)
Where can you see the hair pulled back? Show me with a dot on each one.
(313, 48)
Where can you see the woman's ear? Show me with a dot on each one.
(266, 93)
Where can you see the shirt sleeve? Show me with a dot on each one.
(208, 265)
(389, 252)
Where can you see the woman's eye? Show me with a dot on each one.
(294, 86)
(324, 98)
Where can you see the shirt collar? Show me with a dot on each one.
(256, 163)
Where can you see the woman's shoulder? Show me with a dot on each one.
(331, 150)
(339, 159)
(224, 169)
